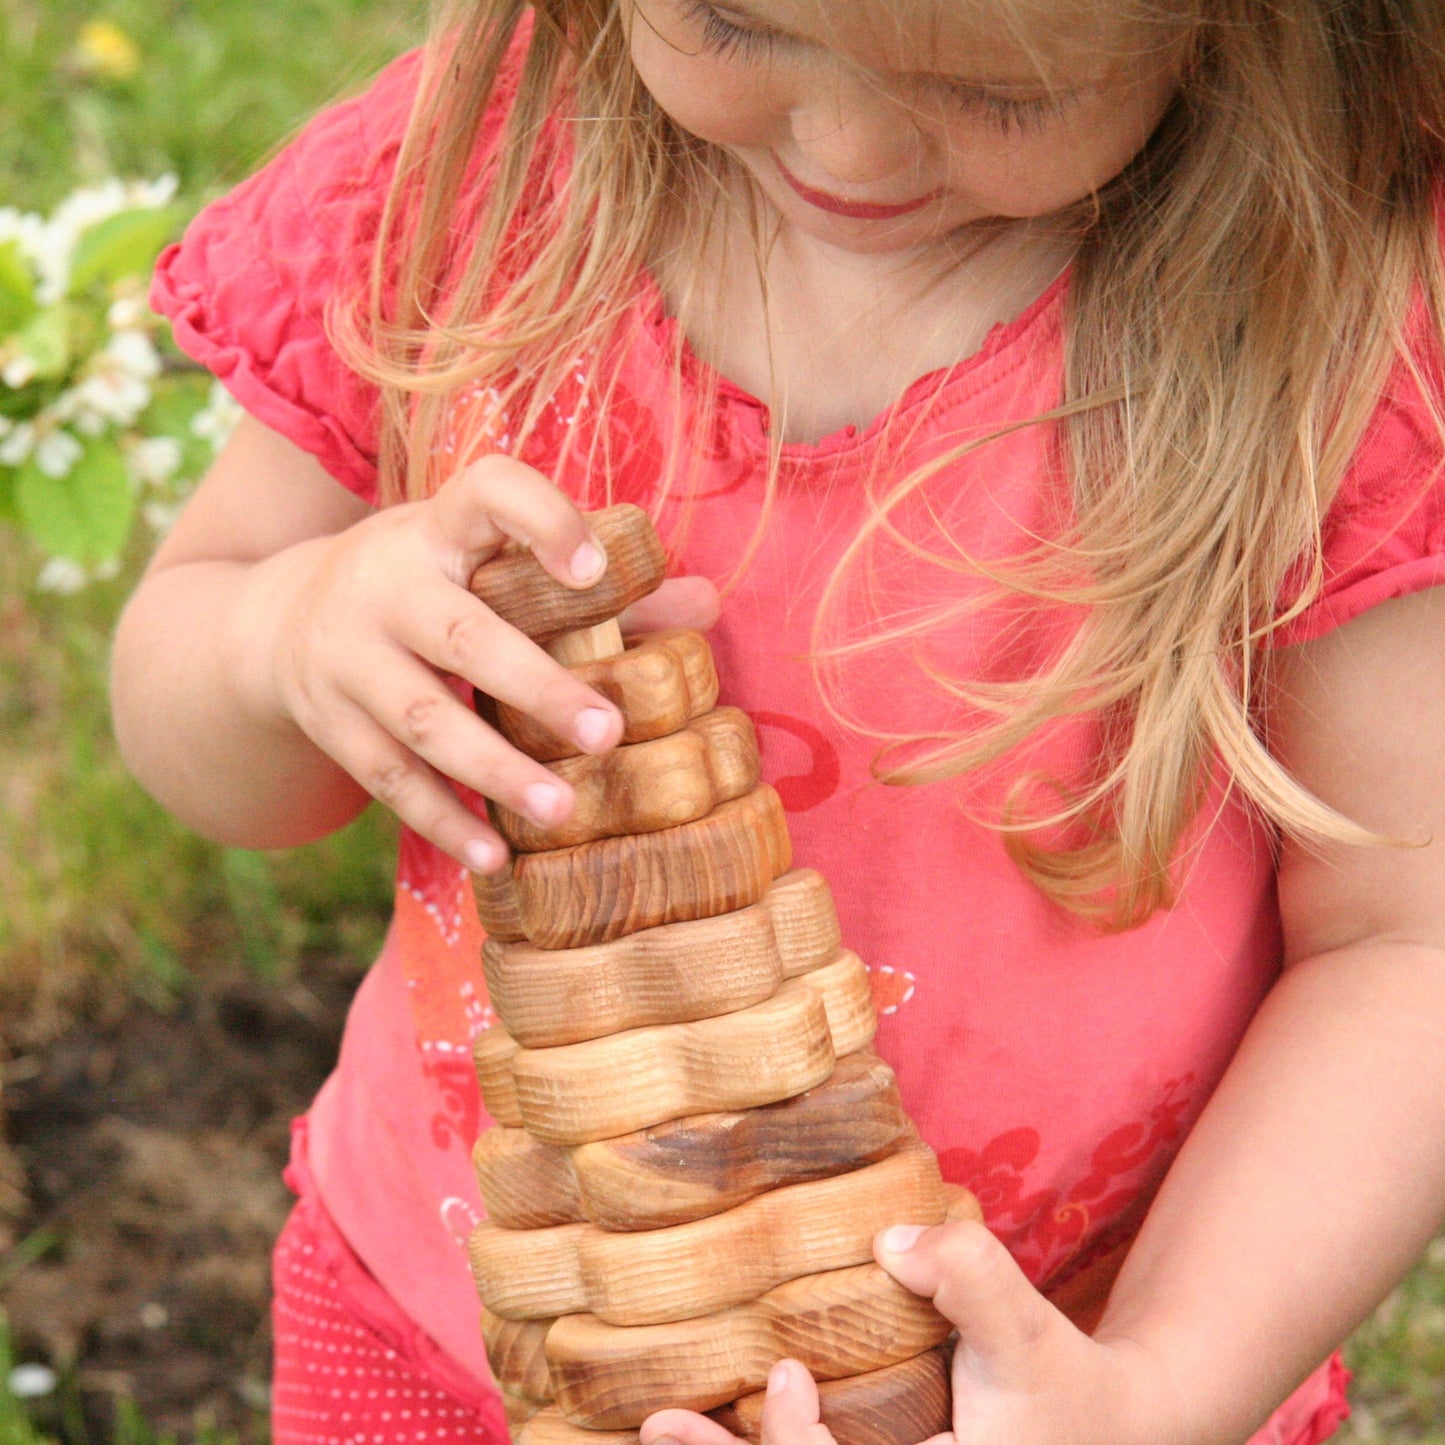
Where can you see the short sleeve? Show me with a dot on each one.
(247, 288)
(1384, 535)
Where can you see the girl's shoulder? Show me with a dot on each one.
(1383, 535)
(248, 288)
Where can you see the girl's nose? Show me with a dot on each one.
(854, 133)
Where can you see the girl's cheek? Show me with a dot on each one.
(727, 105)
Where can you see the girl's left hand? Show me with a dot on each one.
(1022, 1373)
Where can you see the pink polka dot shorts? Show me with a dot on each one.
(350, 1368)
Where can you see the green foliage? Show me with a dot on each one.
(216, 87)
(122, 246)
(86, 514)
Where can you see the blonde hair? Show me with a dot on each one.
(1238, 298)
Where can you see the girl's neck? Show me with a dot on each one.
(829, 338)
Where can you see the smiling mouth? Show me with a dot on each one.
(855, 210)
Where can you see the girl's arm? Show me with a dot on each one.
(1316, 1175)
(285, 657)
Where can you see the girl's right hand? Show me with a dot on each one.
(352, 637)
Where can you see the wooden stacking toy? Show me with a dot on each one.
(695, 1143)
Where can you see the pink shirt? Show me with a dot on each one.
(1054, 1069)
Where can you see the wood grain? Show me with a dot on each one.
(492, 1053)
(571, 897)
(848, 1001)
(730, 1258)
(515, 1351)
(898, 1405)
(519, 1410)
(659, 684)
(647, 786)
(842, 1323)
(699, 1268)
(698, 1166)
(525, 1183)
(669, 974)
(552, 1427)
(805, 922)
(694, 1167)
(520, 591)
(529, 1274)
(596, 1090)
(592, 644)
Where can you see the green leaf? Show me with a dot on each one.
(17, 289)
(123, 245)
(86, 516)
(47, 341)
(8, 509)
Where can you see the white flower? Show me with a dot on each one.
(133, 351)
(128, 313)
(17, 444)
(65, 576)
(30, 1382)
(52, 248)
(57, 452)
(160, 517)
(19, 371)
(116, 388)
(217, 419)
(156, 460)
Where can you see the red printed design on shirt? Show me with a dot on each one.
(1045, 1228)
(892, 988)
(439, 937)
(818, 780)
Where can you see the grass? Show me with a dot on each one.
(95, 881)
(217, 86)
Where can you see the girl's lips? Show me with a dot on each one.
(856, 210)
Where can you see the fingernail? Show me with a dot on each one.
(902, 1237)
(588, 562)
(778, 1378)
(593, 727)
(667, 1440)
(484, 856)
(544, 803)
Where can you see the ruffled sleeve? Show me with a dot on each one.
(1384, 534)
(247, 288)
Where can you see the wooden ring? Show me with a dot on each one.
(647, 786)
(523, 593)
(659, 683)
(595, 892)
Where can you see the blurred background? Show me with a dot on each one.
(166, 1006)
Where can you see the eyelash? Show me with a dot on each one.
(723, 38)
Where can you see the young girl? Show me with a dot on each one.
(1056, 387)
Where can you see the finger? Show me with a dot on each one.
(422, 713)
(499, 497)
(791, 1412)
(398, 779)
(449, 628)
(679, 602)
(974, 1282)
(683, 1427)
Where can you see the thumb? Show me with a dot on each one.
(791, 1410)
(974, 1283)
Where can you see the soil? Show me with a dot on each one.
(144, 1193)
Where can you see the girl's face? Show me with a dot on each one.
(884, 125)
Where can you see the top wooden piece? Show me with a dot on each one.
(520, 591)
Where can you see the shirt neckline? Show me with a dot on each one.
(1000, 351)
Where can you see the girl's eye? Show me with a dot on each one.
(722, 36)
(1010, 116)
